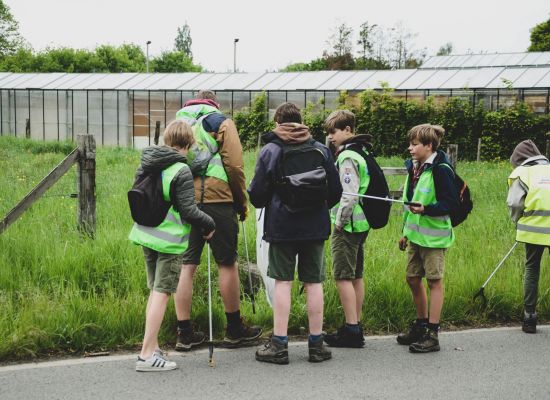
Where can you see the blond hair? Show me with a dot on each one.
(339, 119)
(426, 134)
(178, 134)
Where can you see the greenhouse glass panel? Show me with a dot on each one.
(237, 81)
(5, 128)
(440, 97)
(18, 81)
(544, 82)
(21, 111)
(149, 80)
(281, 81)
(516, 59)
(531, 77)
(274, 100)
(187, 96)
(95, 121)
(111, 81)
(507, 99)
(141, 123)
(507, 77)
(416, 79)
(172, 81)
(537, 99)
(418, 96)
(337, 81)
(316, 99)
(265, 80)
(65, 123)
(173, 105)
(241, 100)
(87, 81)
(224, 99)
(37, 81)
(297, 97)
(12, 112)
(80, 112)
(356, 79)
(214, 80)
(309, 80)
(110, 114)
(439, 78)
(196, 83)
(544, 58)
(4, 77)
(158, 108)
(458, 61)
(430, 62)
(50, 114)
(332, 100)
(60, 82)
(487, 99)
(530, 58)
(125, 128)
(392, 78)
(133, 81)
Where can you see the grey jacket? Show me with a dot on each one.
(182, 192)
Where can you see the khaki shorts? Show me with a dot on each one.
(425, 261)
(347, 254)
(163, 270)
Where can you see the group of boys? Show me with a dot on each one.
(297, 237)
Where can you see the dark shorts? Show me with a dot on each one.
(348, 254)
(224, 241)
(311, 261)
(163, 270)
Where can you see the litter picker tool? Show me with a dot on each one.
(210, 342)
(249, 272)
(481, 291)
(407, 203)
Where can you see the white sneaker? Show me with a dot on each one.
(155, 363)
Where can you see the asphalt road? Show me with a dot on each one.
(501, 363)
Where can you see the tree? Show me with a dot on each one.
(10, 39)
(540, 37)
(366, 40)
(340, 40)
(183, 41)
(174, 61)
(445, 50)
(402, 52)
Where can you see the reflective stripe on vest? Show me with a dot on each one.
(423, 230)
(534, 225)
(172, 235)
(205, 145)
(358, 222)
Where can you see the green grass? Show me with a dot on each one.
(60, 292)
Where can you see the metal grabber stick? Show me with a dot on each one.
(482, 289)
(249, 272)
(407, 203)
(210, 342)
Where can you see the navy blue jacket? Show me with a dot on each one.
(445, 190)
(280, 225)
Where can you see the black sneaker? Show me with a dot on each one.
(241, 335)
(275, 352)
(188, 338)
(427, 343)
(317, 351)
(414, 334)
(529, 323)
(344, 337)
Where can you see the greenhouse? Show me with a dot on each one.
(124, 109)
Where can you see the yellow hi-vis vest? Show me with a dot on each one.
(172, 235)
(358, 222)
(424, 230)
(534, 226)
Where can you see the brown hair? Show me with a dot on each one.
(426, 134)
(206, 95)
(339, 119)
(287, 112)
(178, 134)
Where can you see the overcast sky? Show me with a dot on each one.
(273, 33)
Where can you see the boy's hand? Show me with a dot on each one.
(417, 209)
(243, 214)
(209, 236)
(403, 243)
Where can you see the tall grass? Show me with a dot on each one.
(60, 292)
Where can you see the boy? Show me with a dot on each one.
(292, 232)
(350, 227)
(428, 228)
(164, 245)
(529, 204)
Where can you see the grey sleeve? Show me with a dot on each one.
(183, 193)
(349, 177)
(516, 199)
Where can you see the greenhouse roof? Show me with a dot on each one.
(475, 71)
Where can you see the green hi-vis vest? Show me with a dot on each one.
(172, 235)
(534, 226)
(423, 230)
(205, 149)
(358, 222)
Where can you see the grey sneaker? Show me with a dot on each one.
(529, 323)
(155, 363)
(186, 340)
(317, 351)
(275, 351)
(427, 343)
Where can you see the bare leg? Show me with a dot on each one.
(437, 294)
(315, 307)
(184, 295)
(155, 315)
(281, 307)
(359, 286)
(419, 296)
(230, 287)
(348, 298)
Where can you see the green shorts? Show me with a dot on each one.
(224, 241)
(425, 261)
(348, 254)
(311, 261)
(163, 270)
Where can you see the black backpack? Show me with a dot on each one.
(301, 178)
(465, 203)
(146, 200)
(377, 212)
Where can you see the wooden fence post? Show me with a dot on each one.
(478, 158)
(28, 128)
(86, 185)
(452, 152)
(157, 132)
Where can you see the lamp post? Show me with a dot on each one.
(147, 59)
(235, 54)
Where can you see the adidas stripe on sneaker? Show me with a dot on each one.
(155, 363)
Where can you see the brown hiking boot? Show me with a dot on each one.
(241, 335)
(414, 334)
(187, 339)
(275, 352)
(317, 351)
(427, 343)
